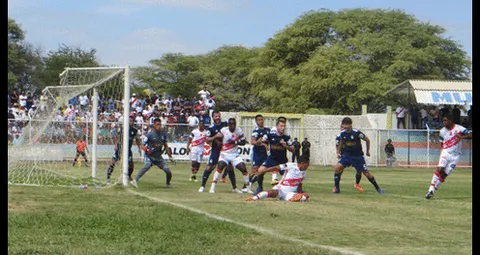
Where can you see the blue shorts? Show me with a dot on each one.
(273, 162)
(356, 161)
(258, 159)
(213, 159)
(116, 155)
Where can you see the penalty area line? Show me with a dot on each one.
(256, 228)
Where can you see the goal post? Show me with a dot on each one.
(91, 103)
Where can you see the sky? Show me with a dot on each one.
(133, 32)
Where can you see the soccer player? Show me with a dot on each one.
(352, 154)
(274, 130)
(358, 174)
(279, 143)
(451, 135)
(195, 145)
(216, 145)
(260, 149)
(132, 136)
(290, 186)
(232, 137)
(154, 144)
(81, 146)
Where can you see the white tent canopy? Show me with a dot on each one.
(436, 92)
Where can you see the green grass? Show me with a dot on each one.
(55, 220)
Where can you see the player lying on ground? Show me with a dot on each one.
(290, 186)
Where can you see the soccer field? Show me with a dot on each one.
(155, 220)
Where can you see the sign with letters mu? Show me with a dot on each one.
(451, 97)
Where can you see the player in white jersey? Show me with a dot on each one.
(232, 137)
(290, 186)
(451, 135)
(195, 146)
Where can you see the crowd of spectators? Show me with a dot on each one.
(422, 115)
(179, 115)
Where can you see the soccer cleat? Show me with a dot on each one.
(236, 190)
(249, 199)
(201, 189)
(296, 198)
(380, 191)
(73, 164)
(134, 183)
(358, 187)
(335, 190)
(169, 185)
(247, 190)
(274, 182)
(258, 190)
(429, 195)
(224, 180)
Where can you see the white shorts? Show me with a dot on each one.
(448, 161)
(285, 193)
(196, 155)
(233, 158)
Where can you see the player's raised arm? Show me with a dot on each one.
(367, 142)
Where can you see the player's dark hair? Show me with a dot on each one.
(215, 111)
(347, 121)
(302, 159)
(448, 116)
(258, 116)
(232, 119)
(280, 121)
(157, 120)
(281, 118)
(132, 117)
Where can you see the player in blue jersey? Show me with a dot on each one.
(260, 149)
(358, 174)
(132, 136)
(155, 143)
(274, 130)
(351, 141)
(279, 143)
(216, 145)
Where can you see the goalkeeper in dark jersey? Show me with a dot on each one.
(154, 145)
(132, 135)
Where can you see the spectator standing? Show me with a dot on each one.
(414, 117)
(306, 148)
(29, 100)
(456, 114)
(424, 117)
(296, 145)
(14, 97)
(204, 93)
(22, 99)
(390, 152)
(400, 113)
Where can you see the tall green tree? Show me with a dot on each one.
(341, 60)
(225, 72)
(66, 56)
(24, 60)
(174, 74)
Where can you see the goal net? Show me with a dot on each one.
(88, 104)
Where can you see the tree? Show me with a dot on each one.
(24, 60)
(174, 73)
(345, 59)
(225, 73)
(66, 56)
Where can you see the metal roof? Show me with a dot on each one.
(436, 92)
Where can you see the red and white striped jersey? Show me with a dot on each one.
(292, 177)
(235, 136)
(198, 139)
(451, 143)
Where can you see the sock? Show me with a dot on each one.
(246, 179)
(260, 181)
(439, 181)
(205, 176)
(374, 182)
(169, 176)
(110, 170)
(216, 175)
(261, 195)
(358, 177)
(130, 171)
(336, 178)
(232, 177)
(274, 175)
(194, 172)
(434, 181)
